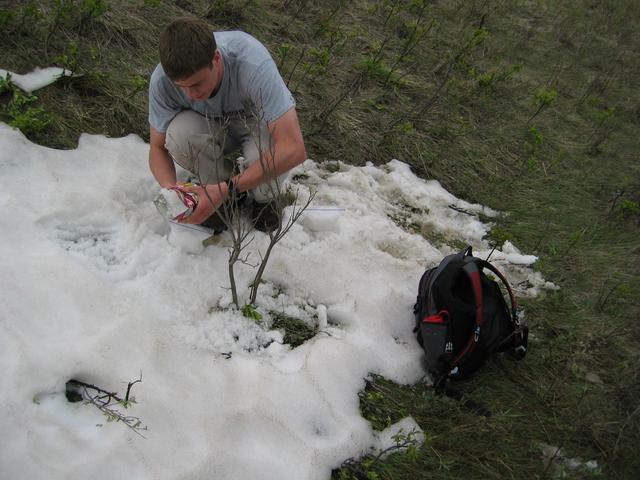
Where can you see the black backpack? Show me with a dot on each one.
(462, 318)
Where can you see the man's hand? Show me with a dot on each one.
(216, 193)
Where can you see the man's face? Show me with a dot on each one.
(203, 82)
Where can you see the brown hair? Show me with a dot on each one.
(186, 45)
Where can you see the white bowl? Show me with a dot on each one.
(321, 219)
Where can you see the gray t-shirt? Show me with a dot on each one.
(251, 83)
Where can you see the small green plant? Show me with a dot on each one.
(489, 80)
(546, 97)
(69, 59)
(93, 8)
(317, 64)
(479, 36)
(20, 111)
(375, 68)
(321, 57)
(406, 128)
(369, 467)
(600, 131)
(603, 116)
(336, 38)
(81, 60)
(543, 98)
(249, 311)
(375, 408)
(629, 208)
(532, 144)
(6, 17)
(536, 136)
(64, 11)
(282, 53)
(534, 140)
(30, 120)
(138, 83)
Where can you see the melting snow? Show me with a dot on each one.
(93, 288)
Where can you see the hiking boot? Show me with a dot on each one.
(265, 216)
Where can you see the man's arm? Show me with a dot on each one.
(287, 151)
(160, 163)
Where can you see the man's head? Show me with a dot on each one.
(188, 54)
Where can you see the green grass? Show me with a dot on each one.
(529, 107)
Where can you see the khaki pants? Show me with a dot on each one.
(200, 146)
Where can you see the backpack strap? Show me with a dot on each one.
(473, 272)
(519, 338)
(521, 331)
(512, 298)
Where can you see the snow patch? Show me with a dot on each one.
(96, 287)
(36, 79)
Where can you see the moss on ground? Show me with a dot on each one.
(296, 332)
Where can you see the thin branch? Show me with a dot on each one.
(106, 402)
(267, 162)
(295, 65)
(130, 385)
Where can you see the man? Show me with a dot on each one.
(211, 95)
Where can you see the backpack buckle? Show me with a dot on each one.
(520, 351)
(476, 333)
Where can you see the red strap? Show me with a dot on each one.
(472, 271)
(477, 293)
(437, 318)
